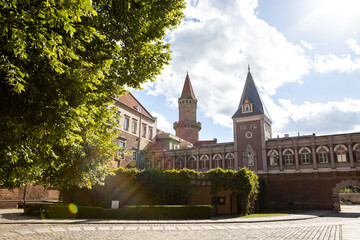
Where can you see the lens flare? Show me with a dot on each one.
(73, 208)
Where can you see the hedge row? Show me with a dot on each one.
(126, 212)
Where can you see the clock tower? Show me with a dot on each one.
(252, 127)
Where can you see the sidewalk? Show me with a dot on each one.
(15, 216)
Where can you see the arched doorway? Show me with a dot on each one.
(338, 187)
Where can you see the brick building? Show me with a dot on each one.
(300, 171)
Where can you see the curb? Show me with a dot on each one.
(208, 221)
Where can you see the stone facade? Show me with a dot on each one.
(137, 128)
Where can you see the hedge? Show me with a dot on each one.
(126, 212)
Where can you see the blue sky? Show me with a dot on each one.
(304, 58)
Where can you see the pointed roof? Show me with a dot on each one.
(251, 93)
(130, 101)
(187, 92)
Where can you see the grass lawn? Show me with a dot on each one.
(274, 213)
(264, 215)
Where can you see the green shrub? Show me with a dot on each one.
(83, 212)
(34, 209)
(131, 212)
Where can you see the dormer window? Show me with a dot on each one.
(247, 106)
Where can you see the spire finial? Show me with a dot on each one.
(249, 67)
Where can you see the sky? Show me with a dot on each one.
(304, 57)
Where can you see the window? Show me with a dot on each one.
(126, 123)
(289, 157)
(323, 154)
(341, 154)
(192, 163)
(357, 152)
(247, 107)
(158, 164)
(150, 133)
(204, 161)
(143, 130)
(229, 160)
(169, 164)
(180, 163)
(305, 156)
(250, 159)
(217, 161)
(273, 156)
(122, 144)
(134, 154)
(323, 157)
(134, 126)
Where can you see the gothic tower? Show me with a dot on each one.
(187, 128)
(252, 128)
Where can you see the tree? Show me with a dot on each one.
(61, 61)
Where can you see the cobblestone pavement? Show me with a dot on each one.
(343, 225)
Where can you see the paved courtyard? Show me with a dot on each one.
(343, 225)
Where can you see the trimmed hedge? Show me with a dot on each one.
(126, 212)
(34, 209)
(64, 212)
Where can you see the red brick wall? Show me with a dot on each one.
(11, 198)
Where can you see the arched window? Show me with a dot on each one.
(229, 160)
(250, 159)
(192, 162)
(322, 153)
(273, 157)
(305, 155)
(168, 163)
(288, 156)
(157, 163)
(180, 163)
(249, 156)
(217, 161)
(340, 151)
(204, 162)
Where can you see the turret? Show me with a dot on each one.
(187, 128)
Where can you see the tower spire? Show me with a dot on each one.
(250, 94)
(187, 92)
(187, 127)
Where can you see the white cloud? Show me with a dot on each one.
(331, 62)
(216, 49)
(162, 122)
(316, 117)
(353, 46)
(307, 45)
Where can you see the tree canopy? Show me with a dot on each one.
(61, 61)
